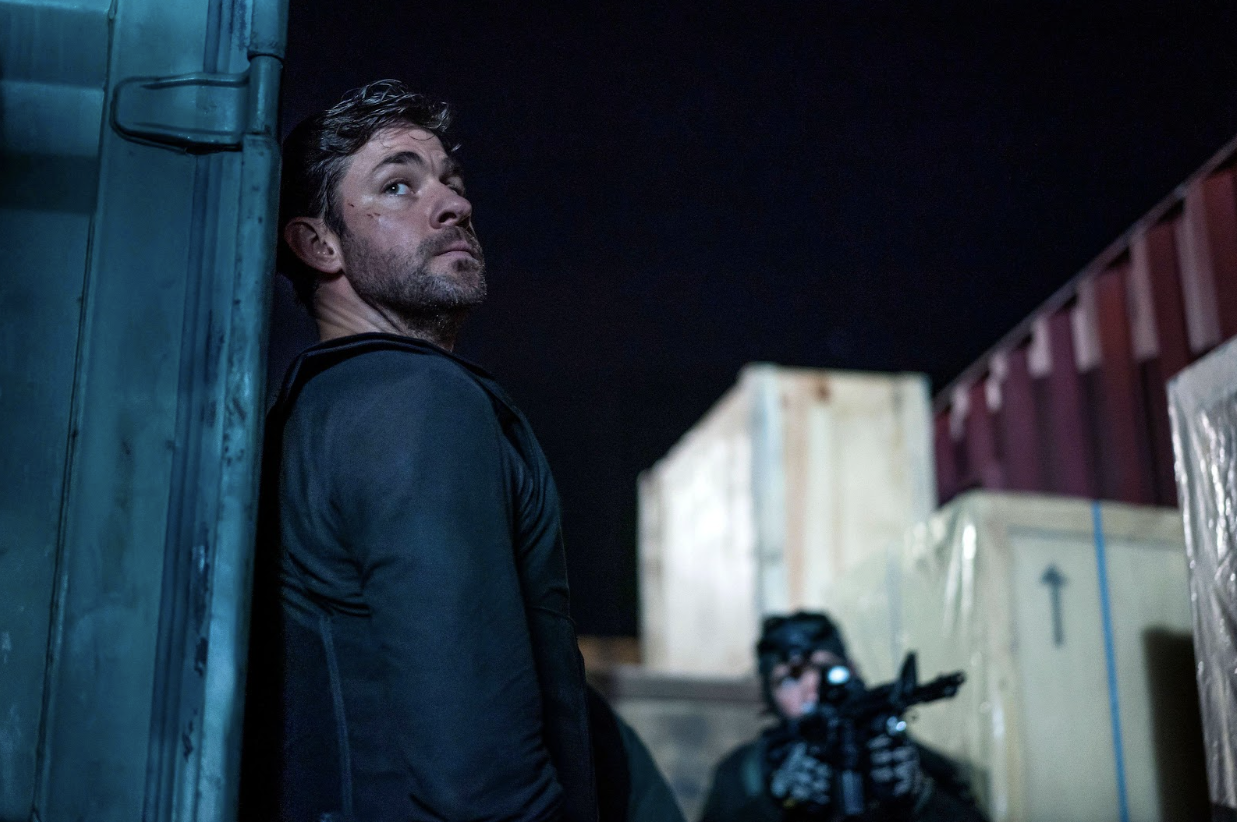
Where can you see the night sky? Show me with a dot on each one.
(667, 193)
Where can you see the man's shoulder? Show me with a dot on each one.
(742, 763)
(381, 369)
(381, 374)
(741, 752)
(737, 792)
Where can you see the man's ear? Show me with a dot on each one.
(315, 244)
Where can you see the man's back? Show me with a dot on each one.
(430, 664)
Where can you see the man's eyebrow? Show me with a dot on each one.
(451, 166)
(400, 158)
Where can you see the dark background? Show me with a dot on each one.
(667, 193)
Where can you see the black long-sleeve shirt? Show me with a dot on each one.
(430, 667)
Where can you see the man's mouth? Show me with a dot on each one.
(460, 247)
(458, 244)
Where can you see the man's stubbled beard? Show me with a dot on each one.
(401, 282)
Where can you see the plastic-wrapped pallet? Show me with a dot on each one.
(1203, 404)
(793, 477)
(1071, 620)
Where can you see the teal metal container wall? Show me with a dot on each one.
(138, 186)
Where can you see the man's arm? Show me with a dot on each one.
(423, 507)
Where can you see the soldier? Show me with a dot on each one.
(414, 656)
(785, 774)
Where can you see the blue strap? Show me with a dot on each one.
(1110, 655)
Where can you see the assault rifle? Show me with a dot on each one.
(849, 714)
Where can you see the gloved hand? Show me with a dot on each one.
(799, 778)
(894, 774)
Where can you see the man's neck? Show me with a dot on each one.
(341, 313)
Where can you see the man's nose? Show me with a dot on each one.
(452, 209)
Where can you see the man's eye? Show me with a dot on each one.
(397, 187)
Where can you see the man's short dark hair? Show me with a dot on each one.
(316, 152)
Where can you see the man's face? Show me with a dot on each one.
(409, 246)
(796, 684)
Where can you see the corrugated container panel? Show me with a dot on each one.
(1159, 340)
(1098, 355)
(48, 195)
(945, 446)
(1211, 213)
(138, 188)
(792, 478)
(1124, 454)
(1070, 444)
(1019, 433)
(983, 463)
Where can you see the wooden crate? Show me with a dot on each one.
(1071, 620)
(792, 478)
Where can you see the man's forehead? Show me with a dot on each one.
(406, 141)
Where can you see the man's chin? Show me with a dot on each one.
(460, 291)
(458, 264)
(464, 281)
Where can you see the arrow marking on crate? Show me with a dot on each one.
(1054, 579)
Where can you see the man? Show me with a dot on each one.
(420, 662)
(787, 774)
